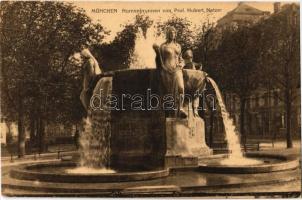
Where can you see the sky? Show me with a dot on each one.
(113, 21)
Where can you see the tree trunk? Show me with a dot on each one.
(269, 110)
(21, 134)
(42, 143)
(37, 128)
(289, 142)
(33, 131)
(242, 121)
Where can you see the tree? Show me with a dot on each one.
(117, 54)
(37, 74)
(206, 41)
(281, 58)
(204, 52)
(237, 62)
(183, 26)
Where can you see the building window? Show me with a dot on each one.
(248, 103)
(276, 100)
(251, 103)
(266, 97)
(257, 101)
(295, 18)
(261, 100)
(282, 120)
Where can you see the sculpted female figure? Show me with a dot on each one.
(91, 70)
(170, 61)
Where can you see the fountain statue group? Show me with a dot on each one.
(175, 81)
(170, 63)
(181, 132)
(137, 146)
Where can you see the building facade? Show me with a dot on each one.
(265, 116)
(242, 14)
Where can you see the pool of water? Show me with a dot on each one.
(74, 169)
(240, 162)
(87, 170)
(191, 178)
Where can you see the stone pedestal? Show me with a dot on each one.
(185, 140)
(145, 139)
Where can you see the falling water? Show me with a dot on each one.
(143, 54)
(95, 140)
(236, 155)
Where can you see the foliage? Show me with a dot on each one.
(237, 55)
(205, 44)
(281, 53)
(117, 54)
(183, 27)
(280, 58)
(39, 78)
(262, 56)
(238, 52)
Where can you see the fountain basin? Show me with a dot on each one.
(271, 163)
(56, 172)
(180, 181)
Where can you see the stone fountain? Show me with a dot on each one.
(146, 151)
(147, 138)
(143, 153)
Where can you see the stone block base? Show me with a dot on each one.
(185, 140)
(178, 161)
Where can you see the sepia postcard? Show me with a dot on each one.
(150, 99)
